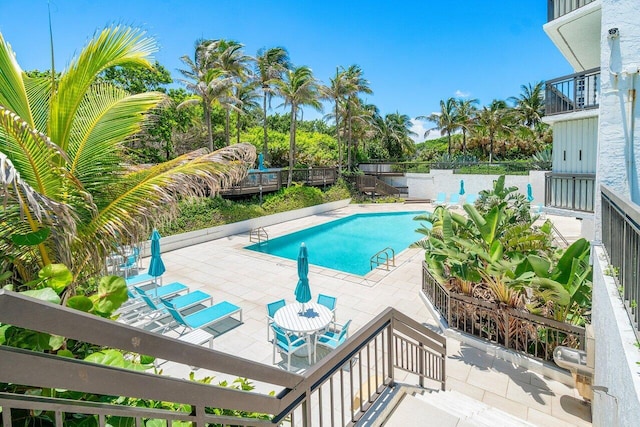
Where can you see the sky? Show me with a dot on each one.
(413, 53)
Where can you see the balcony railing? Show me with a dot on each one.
(338, 390)
(527, 333)
(558, 8)
(575, 192)
(621, 239)
(272, 180)
(576, 92)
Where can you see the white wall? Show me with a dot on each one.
(616, 399)
(618, 135)
(575, 145)
(428, 185)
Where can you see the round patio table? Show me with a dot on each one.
(315, 318)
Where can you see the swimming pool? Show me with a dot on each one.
(347, 244)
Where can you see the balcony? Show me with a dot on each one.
(570, 191)
(558, 8)
(572, 93)
(574, 27)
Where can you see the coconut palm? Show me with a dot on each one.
(207, 83)
(65, 182)
(354, 85)
(494, 119)
(247, 96)
(530, 104)
(337, 92)
(395, 134)
(465, 116)
(269, 66)
(445, 120)
(299, 88)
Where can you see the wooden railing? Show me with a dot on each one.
(514, 329)
(621, 239)
(258, 182)
(575, 192)
(558, 8)
(369, 184)
(338, 390)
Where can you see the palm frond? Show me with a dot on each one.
(13, 95)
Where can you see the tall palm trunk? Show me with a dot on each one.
(338, 139)
(227, 121)
(207, 119)
(238, 127)
(348, 137)
(490, 148)
(292, 143)
(265, 146)
(449, 145)
(464, 142)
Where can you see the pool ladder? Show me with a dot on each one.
(383, 257)
(259, 235)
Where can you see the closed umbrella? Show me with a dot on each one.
(303, 291)
(529, 193)
(461, 187)
(156, 266)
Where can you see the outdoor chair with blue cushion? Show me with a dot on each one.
(131, 262)
(329, 302)
(454, 200)
(441, 199)
(203, 318)
(288, 344)
(272, 307)
(159, 318)
(471, 198)
(144, 279)
(165, 291)
(332, 338)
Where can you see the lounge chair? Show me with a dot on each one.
(159, 318)
(329, 302)
(441, 199)
(332, 338)
(203, 318)
(288, 344)
(471, 198)
(454, 200)
(272, 307)
(143, 279)
(166, 291)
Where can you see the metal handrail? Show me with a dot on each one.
(558, 8)
(382, 257)
(257, 234)
(575, 92)
(390, 341)
(570, 191)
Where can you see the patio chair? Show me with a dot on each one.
(329, 302)
(288, 344)
(131, 262)
(144, 279)
(471, 198)
(332, 338)
(166, 291)
(441, 199)
(203, 318)
(454, 200)
(272, 307)
(156, 319)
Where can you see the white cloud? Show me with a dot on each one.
(461, 94)
(420, 127)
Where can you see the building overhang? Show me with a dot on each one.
(577, 36)
(575, 115)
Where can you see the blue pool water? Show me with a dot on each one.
(347, 244)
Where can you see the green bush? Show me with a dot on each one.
(295, 197)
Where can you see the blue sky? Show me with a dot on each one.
(414, 53)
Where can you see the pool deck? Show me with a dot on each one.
(251, 280)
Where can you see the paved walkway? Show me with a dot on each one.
(251, 280)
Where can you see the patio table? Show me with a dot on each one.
(315, 318)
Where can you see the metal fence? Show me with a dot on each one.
(558, 8)
(458, 166)
(575, 92)
(621, 239)
(338, 390)
(514, 329)
(570, 191)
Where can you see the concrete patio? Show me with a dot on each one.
(251, 280)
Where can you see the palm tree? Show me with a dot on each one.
(494, 119)
(227, 56)
(270, 64)
(337, 91)
(395, 134)
(465, 116)
(207, 83)
(63, 167)
(530, 104)
(298, 88)
(247, 97)
(355, 84)
(445, 120)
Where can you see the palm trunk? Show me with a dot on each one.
(265, 147)
(490, 148)
(338, 139)
(207, 119)
(238, 127)
(449, 145)
(464, 142)
(226, 127)
(348, 137)
(292, 144)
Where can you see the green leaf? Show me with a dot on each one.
(146, 360)
(539, 265)
(65, 353)
(80, 302)
(56, 276)
(108, 358)
(112, 292)
(3, 329)
(4, 276)
(46, 294)
(578, 249)
(31, 239)
(55, 342)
